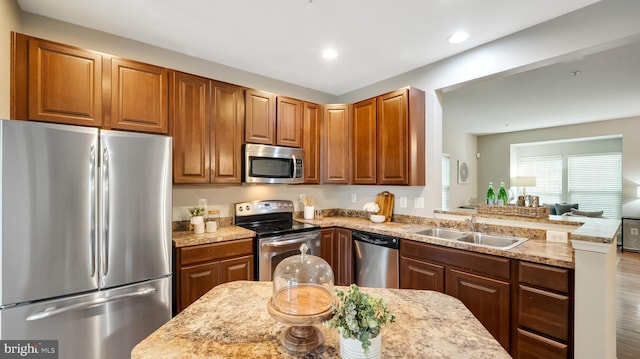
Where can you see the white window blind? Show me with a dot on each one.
(446, 181)
(595, 182)
(548, 173)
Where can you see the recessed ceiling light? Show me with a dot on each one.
(330, 54)
(458, 37)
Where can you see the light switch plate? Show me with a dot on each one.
(403, 202)
(419, 202)
(354, 198)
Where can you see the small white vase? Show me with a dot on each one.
(352, 348)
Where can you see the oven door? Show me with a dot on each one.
(272, 250)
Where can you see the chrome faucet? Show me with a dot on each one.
(472, 222)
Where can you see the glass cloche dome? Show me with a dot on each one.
(303, 285)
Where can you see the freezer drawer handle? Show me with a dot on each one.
(51, 311)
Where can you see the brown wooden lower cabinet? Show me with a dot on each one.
(415, 274)
(526, 306)
(202, 267)
(488, 299)
(336, 249)
(533, 346)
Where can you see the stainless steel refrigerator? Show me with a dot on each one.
(85, 237)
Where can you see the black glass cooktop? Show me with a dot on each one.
(269, 229)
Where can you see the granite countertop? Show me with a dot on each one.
(232, 320)
(535, 250)
(223, 234)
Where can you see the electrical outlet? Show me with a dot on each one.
(559, 237)
(634, 231)
(354, 198)
(403, 202)
(302, 198)
(419, 202)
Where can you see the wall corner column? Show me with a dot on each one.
(595, 299)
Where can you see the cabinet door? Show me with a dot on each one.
(363, 142)
(189, 109)
(335, 144)
(226, 133)
(64, 84)
(240, 268)
(289, 122)
(138, 96)
(196, 280)
(488, 299)
(393, 134)
(344, 256)
(260, 120)
(421, 275)
(311, 129)
(327, 251)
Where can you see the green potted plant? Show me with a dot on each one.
(359, 319)
(197, 218)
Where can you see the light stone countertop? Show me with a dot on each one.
(231, 321)
(223, 234)
(537, 249)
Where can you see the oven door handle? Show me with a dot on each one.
(276, 243)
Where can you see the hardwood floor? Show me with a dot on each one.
(628, 305)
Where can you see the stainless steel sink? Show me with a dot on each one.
(443, 233)
(489, 240)
(477, 238)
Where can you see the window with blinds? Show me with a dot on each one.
(595, 182)
(548, 173)
(446, 181)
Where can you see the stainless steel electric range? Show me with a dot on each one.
(278, 236)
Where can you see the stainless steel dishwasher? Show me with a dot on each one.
(376, 259)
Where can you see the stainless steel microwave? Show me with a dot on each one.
(272, 164)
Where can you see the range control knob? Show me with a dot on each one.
(247, 207)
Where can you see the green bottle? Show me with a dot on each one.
(503, 199)
(491, 195)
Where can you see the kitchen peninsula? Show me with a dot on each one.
(586, 263)
(232, 320)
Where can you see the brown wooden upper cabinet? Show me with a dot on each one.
(289, 122)
(311, 137)
(59, 83)
(388, 139)
(55, 83)
(260, 117)
(336, 130)
(138, 96)
(272, 120)
(207, 128)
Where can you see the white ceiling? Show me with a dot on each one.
(283, 39)
(607, 87)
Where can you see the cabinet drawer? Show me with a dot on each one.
(543, 311)
(206, 252)
(540, 275)
(530, 345)
(494, 266)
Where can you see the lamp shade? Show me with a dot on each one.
(523, 181)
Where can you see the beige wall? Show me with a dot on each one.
(495, 153)
(9, 21)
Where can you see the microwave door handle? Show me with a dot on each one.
(295, 167)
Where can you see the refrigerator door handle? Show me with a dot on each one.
(105, 223)
(51, 311)
(92, 185)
